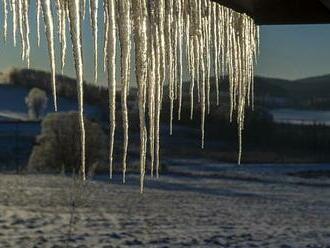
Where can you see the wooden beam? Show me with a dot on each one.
(276, 12)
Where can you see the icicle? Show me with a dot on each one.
(48, 18)
(94, 17)
(26, 31)
(151, 98)
(198, 16)
(157, 100)
(5, 17)
(111, 68)
(208, 54)
(161, 31)
(202, 89)
(14, 4)
(193, 73)
(141, 47)
(190, 40)
(83, 9)
(63, 6)
(215, 49)
(175, 38)
(161, 60)
(180, 56)
(124, 25)
(75, 29)
(154, 83)
(20, 27)
(106, 31)
(38, 20)
(61, 13)
(169, 49)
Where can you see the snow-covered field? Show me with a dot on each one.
(301, 117)
(227, 206)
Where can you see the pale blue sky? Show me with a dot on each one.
(294, 51)
(289, 52)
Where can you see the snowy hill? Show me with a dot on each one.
(13, 104)
(17, 132)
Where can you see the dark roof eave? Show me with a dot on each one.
(279, 12)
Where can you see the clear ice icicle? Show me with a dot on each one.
(48, 18)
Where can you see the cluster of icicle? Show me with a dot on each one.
(209, 38)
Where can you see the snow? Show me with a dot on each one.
(175, 211)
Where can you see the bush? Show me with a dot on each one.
(58, 145)
(36, 102)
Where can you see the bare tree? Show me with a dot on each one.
(36, 102)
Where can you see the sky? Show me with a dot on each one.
(288, 52)
(294, 51)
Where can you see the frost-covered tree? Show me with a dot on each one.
(36, 102)
(58, 145)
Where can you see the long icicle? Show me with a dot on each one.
(106, 31)
(157, 99)
(169, 49)
(111, 68)
(5, 19)
(27, 31)
(14, 9)
(60, 13)
(48, 18)
(180, 55)
(124, 24)
(63, 35)
(39, 12)
(21, 27)
(162, 71)
(75, 30)
(215, 49)
(152, 77)
(94, 21)
(141, 47)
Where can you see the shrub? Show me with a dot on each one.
(36, 102)
(58, 145)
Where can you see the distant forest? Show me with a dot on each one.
(309, 93)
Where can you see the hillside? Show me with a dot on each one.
(19, 82)
(312, 87)
(263, 139)
(308, 93)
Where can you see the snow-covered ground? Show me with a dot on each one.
(219, 205)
